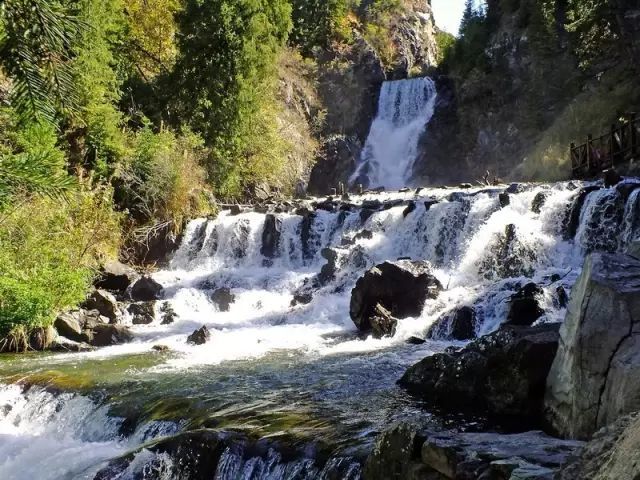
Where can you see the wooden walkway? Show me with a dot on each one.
(620, 145)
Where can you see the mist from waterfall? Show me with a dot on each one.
(405, 107)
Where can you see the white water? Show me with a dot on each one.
(405, 108)
(70, 436)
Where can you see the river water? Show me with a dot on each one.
(306, 393)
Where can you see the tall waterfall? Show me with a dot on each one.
(405, 107)
(273, 367)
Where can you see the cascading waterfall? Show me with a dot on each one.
(405, 108)
(275, 369)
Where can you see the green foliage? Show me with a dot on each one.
(446, 45)
(225, 81)
(36, 42)
(317, 22)
(48, 250)
(378, 19)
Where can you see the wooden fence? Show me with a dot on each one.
(619, 145)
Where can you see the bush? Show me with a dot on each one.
(49, 250)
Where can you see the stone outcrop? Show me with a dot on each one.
(88, 327)
(524, 307)
(503, 374)
(271, 236)
(595, 377)
(612, 453)
(199, 336)
(104, 302)
(406, 452)
(142, 313)
(146, 289)
(400, 287)
(459, 324)
(115, 276)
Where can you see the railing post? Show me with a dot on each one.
(572, 156)
(613, 149)
(633, 136)
(589, 148)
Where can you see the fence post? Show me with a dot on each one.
(614, 147)
(572, 156)
(634, 136)
(589, 148)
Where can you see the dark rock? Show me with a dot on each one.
(400, 287)
(372, 204)
(611, 178)
(197, 240)
(156, 247)
(301, 299)
(539, 201)
(222, 298)
(429, 203)
(389, 204)
(271, 236)
(365, 214)
(410, 208)
(168, 314)
(382, 323)
(327, 205)
(572, 218)
(70, 325)
(143, 313)
(306, 234)
(416, 341)
(459, 325)
(465, 186)
(515, 188)
(525, 307)
(502, 374)
(393, 454)
(146, 289)
(64, 345)
(160, 348)
(107, 335)
(625, 189)
(562, 297)
(104, 302)
(200, 336)
(115, 276)
(329, 269)
(363, 234)
(504, 199)
(336, 160)
(491, 456)
(612, 453)
(595, 376)
(235, 210)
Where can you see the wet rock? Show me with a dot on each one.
(306, 234)
(240, 241)
(64, 345)
(503, 373)
(416, 341)
(515, 188)
(235, 210)
(429, 203)
(363, 234)
(524, 307)
(160, 348)
(156, 247)
(200, 336)
(372, 204)
(302, 298)
(383, 324)
(271, 236)
(389, 204)
(539, 201)
(625, 189)
(115, 276)
(401, 287)
(465, 186)
(107, 335)
(365, 214)
(327, 205)
(595, 376)
(143, 313)
(329, 269)
(394, 454)
(611, 177)
(410, 208)
(70, 325)
(491, 456)
(562, 298)
(460, 324)
(146, 289)
(168, 314)
(104, 302)
(504, 199)
(197, 241)
(572, 218)
(222, 298)
(612, 453)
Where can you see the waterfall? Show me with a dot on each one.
(275, 365)
(405, 108)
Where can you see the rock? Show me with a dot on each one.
(562, 298)
(410, 208)
(168, 314)
(393, 454)
(146, 289)
(389, 204)
(156, 247)
(143, 313)
(222, 298)
(372, 204)
(200, 336)
(160, 348)
(525, 309)
(271, 236)
(465, 186)
(459, 324)
(103, 302)
(329, 269)
(416, 341)
(64, 345)
(401, 287)
(429, 203)
(633, 249)
(115, 276)
(539, 201)
(611, 178)
(382, 323)
(107, 335)
(613, 453)
(596, 375)
(489, 456)
(572, 218)
(302, 298)
(70, 325)
(41, 338)
(504, 199)
(365, 214)
(503, 373)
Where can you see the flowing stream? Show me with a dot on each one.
(292, 391)
(405, 108)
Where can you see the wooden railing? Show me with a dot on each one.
(618, 146)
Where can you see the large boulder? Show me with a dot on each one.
(613, 453)
(89, 327)
(395, 455)
(104, 302)
(107, 335)
(383, 324)
(271, 236)
(524, 308)
(146, 289)
(595, 377)
(222, 298)
(458, 324)
(503, 373)
(401, 287)
(115, 276)
(142, 313)
(199, 336)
